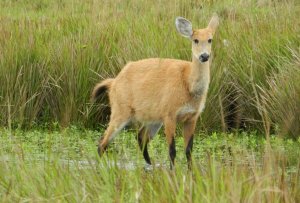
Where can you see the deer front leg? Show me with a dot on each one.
(188, 133)
(170, 127)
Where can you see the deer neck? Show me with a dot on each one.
(199, 78)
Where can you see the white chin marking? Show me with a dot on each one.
(203, 61)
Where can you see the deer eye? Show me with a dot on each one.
(209, 40)
(196, 41)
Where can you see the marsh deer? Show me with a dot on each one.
(158, 92)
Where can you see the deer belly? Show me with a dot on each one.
(186, 112)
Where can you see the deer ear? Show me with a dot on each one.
(184, 27)
(213, 23)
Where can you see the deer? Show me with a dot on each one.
(158, 92)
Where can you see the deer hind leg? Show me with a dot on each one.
(146, 133)
(116, 124)
(188, 133)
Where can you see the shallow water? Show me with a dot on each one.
(83, 163)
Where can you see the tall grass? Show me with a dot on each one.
(53, 52)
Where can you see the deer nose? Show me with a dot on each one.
(204, 57)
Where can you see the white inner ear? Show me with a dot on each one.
(184, 27)
(214, 22)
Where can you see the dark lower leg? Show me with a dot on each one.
(172, 153)
(188, 132)
(188, 151)
(170, 127)
(143, 142)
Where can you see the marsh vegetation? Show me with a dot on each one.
(52, 53)
(55, 166)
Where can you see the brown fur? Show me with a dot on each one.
(160, 91)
